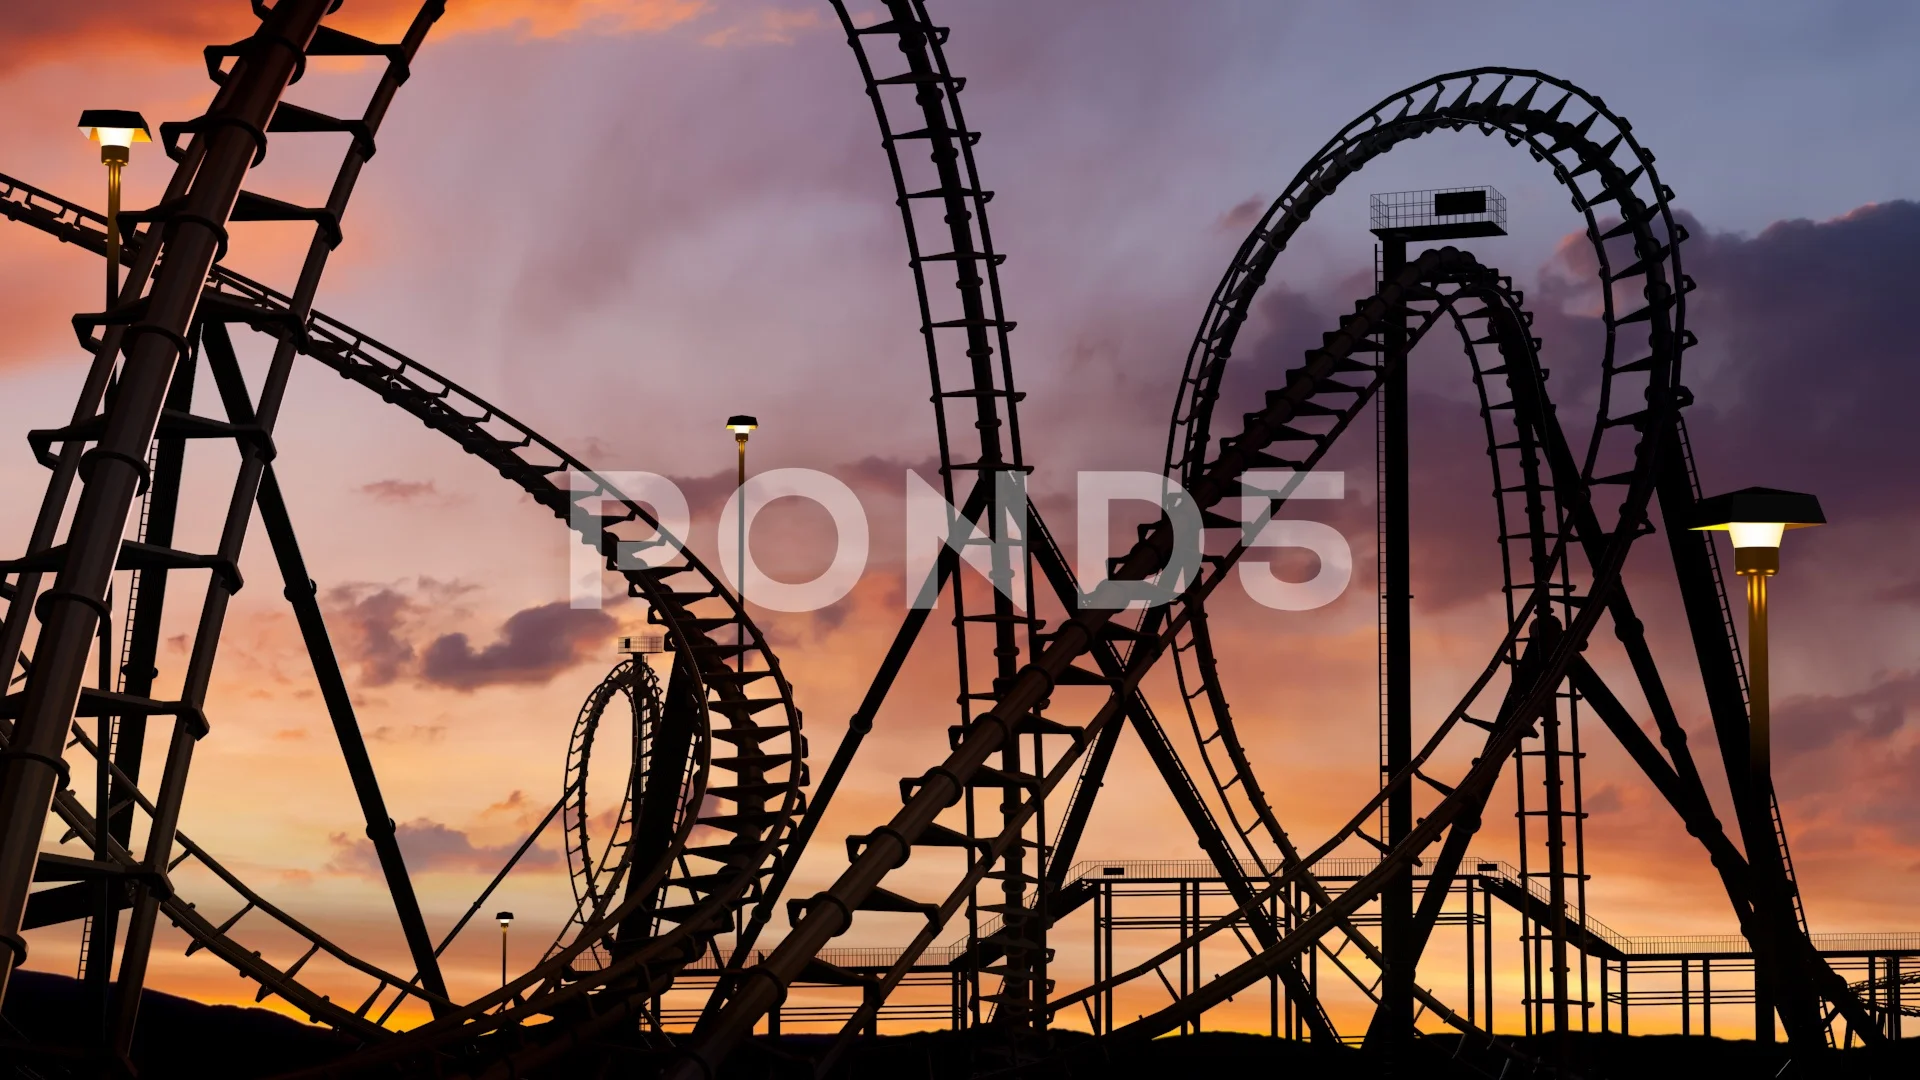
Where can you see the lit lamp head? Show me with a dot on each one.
(741, 426)
(116, 130)
(504, 918)
(1755, 518)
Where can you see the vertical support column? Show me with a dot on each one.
(1102, 898)
(1556, 864)
(1313, 981)
(1686, 997)
(1106, 943)
(1193, 928)
(1605, 1020)
(1626, 998)
(1486, 947)
(1186, 979)
(1893, 997)
(1282, 921)
(1396, 898)
(1469, 921)
(1706, 997)
(1873, 989)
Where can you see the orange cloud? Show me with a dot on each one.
(44, 32)
(768, 26)
(555, 18)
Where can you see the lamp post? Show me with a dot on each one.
(116, 130)
(505, 919)
(1755, 519)
(742, 425)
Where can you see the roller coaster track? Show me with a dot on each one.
(694, 887)
(1587, 144)
(744, 822)
(596, 877)
(1444, 103)
(150, 320)
(702, 864)
(1009, 941)
(690, 889)
(1457, 812)
(941, 787)
(916, 103)
(1571, 143)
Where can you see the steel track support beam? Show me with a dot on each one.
(303, 595)
(1779, 981)
(71, 611)
(1772, 933)
(1206, 830)
(1690, 800)
(1073, 826)
(1023, 990)
(137, 668)
(1779, 984)
(1453, 851)
(1397, 938)
(657, 798)
(276, 53)
(1791, 989)
(860, 725)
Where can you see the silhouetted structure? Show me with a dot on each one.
(719, 801)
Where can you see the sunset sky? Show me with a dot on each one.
(623, 220)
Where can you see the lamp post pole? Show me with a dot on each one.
(1760, 726)
(1755, 519)
(740, 485)
(1754, 566)
(741, 426)
(116, 130)
(505, 918)
(115, 157)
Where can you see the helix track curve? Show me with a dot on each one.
(749, 816)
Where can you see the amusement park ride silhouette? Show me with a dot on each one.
(721, 798)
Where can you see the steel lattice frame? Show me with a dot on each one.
(682, 896)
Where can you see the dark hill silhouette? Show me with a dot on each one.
(179, 1038)
(176, 1038)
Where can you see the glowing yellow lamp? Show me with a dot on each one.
(1755, 519)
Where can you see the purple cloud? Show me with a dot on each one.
(534, 645)
(428, 845)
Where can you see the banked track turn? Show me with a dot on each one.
(142, 365)
(693, 887)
